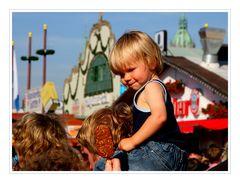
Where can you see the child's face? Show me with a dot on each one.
(136, 75)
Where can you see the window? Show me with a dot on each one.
(99, 77)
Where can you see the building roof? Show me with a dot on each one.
(211, 80)
(195, 56)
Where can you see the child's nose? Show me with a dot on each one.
(127, 77)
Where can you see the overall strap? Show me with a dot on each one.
(142, 88)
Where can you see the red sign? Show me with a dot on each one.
(181, 107)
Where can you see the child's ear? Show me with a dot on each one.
(152, 66)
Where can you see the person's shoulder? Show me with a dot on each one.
(154, 92)
(154, 85)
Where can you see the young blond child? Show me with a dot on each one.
(157, 142)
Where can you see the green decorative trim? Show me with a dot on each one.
(105, 48)
(65, 100)
(82, 70)
(73, 95)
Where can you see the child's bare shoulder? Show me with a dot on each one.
(154, 85)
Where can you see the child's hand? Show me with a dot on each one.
(126, 144)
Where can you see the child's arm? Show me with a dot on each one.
(154, 98)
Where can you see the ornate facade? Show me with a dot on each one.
(91, 85)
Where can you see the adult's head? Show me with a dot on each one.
(35, 135)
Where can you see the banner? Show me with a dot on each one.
(33, 100)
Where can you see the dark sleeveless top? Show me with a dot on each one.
(170, 131)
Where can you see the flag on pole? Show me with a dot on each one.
(15, 83)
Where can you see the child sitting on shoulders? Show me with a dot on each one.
(157, 143)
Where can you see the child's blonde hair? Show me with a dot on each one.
(119, 120)
(135, 46)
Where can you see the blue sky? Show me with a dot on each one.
(67, 31)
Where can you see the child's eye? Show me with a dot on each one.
(130, 69)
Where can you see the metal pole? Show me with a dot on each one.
(29, 60)
(44, 55)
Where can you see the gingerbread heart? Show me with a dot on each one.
(104, 141)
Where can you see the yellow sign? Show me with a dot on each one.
(48, 92)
